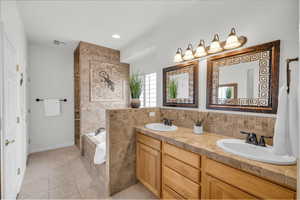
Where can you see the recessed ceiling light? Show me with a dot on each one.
(116, 36)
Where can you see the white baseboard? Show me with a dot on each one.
(56, 146)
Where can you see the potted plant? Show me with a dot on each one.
(136, 85)
(198, 127)
(172, 88)
(228, 93)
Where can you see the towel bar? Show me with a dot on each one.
(288, 71)
(65, 100)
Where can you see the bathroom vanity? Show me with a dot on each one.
(182, 165)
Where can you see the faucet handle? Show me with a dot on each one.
(251, 137)
(262, 141)
(165, 120)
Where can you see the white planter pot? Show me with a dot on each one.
(198, 129)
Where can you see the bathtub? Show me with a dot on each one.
(100, 138)
(90, 144)
(100, 146)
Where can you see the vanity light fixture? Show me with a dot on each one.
(201, 50)
(178, 56)
(215, 45)
(233, 41)
(189, 55)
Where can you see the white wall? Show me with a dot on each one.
(261, 21)
(14, 29)
(51, 74)
(239, 74)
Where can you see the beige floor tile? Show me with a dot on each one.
(93, 192)
(64, 174)
(67, 191)
(56, 182)
(36, 186)
(137, 191)
(43, 195)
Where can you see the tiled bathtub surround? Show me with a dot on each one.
(99, 171)
(120, 125)
(89, 107)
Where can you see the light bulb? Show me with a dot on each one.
(215, 45)
(200, 51)
(188, 55)
(232, 40)
(178, 55)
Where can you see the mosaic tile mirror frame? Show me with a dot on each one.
(244, 80)
(180, 85)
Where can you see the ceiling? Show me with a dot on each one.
(96, 21)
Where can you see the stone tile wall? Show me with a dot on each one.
(121, 153)
(91, 114)
(222, 123)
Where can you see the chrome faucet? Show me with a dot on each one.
(99, 130)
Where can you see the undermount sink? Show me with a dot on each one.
(253, 152)
(160, 127)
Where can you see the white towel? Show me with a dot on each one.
(281, 142)
(52, 107)
(294, 117)
(100, 153)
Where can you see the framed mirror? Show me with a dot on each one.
(180, 85)
(244, 80)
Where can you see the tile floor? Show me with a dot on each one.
(61, 174)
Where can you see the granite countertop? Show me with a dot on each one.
(205, 144)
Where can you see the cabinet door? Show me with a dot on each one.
(216, 189)
(149, 167)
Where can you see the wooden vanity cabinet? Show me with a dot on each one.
(148, 163)
(224, 182)
(172, 172)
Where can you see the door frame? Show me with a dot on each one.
(3, 123)
(1, 109)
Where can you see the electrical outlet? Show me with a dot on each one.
(151, 114)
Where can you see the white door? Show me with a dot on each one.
(10, 125)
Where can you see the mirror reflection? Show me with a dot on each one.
(242, 80)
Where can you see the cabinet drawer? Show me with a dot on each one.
(154, 143)
(183, 155)
(182, 168)
(249, 183)
(168, 193)
(183, 186)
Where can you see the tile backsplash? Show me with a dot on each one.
(222, 123)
